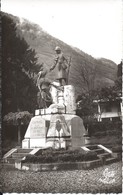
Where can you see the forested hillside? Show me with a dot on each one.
(86, 73)
(84, 67)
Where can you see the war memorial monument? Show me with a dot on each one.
(56, 126)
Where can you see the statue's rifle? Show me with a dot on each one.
(68, 70)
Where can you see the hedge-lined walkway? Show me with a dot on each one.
(106, 179)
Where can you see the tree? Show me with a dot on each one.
(19, 63)
(86, 107)
(119, 70)
(84, 76)
(108, 93)
(118, 81)
(18, 118)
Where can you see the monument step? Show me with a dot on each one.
(18, 155)
(104, 155)
(9, 165)
(22, 150)
(110, 160)
(11, 160)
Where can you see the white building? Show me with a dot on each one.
(109, 110)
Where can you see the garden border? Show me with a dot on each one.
(57, 166)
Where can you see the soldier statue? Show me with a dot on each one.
(60, 63)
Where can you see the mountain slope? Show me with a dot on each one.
(86, 72)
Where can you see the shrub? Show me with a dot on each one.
(90, 156)
(61, 156)
(79, 157)
(48, 159)
(44, 151)
(8, 145)
(100, 134)
(96, 127)
(117, 149)
(64, 158)
(30, 158)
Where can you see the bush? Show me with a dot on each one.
(79, 157)
(29, 158)
(90, 156)
(8, 145)
(65, 158)
(117, 149)
(48, 159)
(49, 150)
(100, 134)
(96, 127)
(61, 156)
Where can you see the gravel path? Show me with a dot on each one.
(106, 179)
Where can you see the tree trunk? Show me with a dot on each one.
(19, 134)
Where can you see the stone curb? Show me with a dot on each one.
(58, 166)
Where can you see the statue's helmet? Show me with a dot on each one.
(57, 48)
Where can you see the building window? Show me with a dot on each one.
(116, 119)
(105, 119)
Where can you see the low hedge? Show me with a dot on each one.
(117, 149)
(52, 156)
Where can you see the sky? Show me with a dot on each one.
(94, 26)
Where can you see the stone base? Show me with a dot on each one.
(26, 143)
(37, 143)
(34, 143)
(77, 132)
(54, 109)
(58, 143)
(71, 126)
(59, 166)
(45, 131)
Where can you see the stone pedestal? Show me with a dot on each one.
(55, 130)
(56, 126)
(77, 132)
(58, 132)
(69, 99)
(36, 133)
(71, 133)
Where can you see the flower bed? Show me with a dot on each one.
(56, 156)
